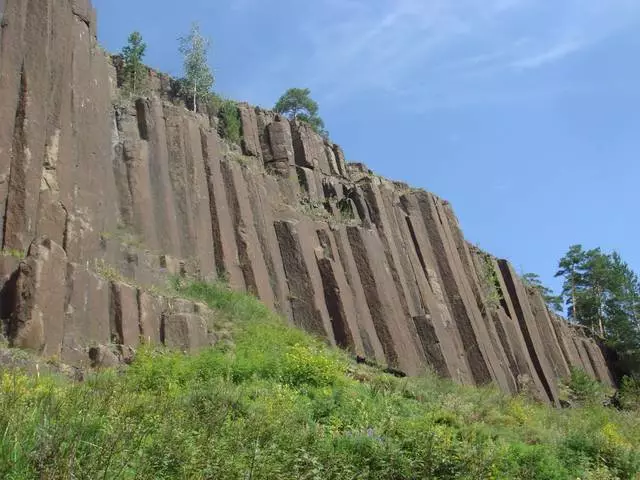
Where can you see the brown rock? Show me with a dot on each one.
(390, 322)
(151, 309)
(124, 315)
(37, 322)
(309, 148)
(367, 331)
(185, 331)
(338, 296)
(86, 320)
(281, 146)
(303, 294)
(102, 356)
(223, 234)
(530, 330)
(252, 262)
(250, 138)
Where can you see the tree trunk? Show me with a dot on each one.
(600, 312)
(195, 96)
(573, 297)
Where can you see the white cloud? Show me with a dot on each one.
(553, 54)
(407, 46)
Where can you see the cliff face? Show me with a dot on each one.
(110, 196)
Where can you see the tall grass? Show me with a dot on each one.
(278, 404)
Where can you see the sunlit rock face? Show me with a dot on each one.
(109, 195)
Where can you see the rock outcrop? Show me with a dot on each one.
(108, 195)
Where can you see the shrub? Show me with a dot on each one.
(585, 390)
(279, 405)
(629, 394)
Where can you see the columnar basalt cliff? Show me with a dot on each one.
(108, 196)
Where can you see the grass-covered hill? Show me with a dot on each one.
(277, 404)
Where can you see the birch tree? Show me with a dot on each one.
(198, 76)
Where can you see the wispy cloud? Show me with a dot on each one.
(419, 45)
(553, 54)
(431, 53)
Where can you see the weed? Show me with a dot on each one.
(107, 271)
(13, 252)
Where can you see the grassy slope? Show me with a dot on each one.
(279, 405)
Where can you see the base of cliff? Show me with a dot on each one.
(277, 403)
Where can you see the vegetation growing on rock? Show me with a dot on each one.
(297, 104)
(198, 76)
(135, 72)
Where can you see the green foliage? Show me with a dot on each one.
(198, 79)
(135, 73)
(489, 283)
(297, 104)
(279, 404)
(603, 294)
(554, 302)
(584, 389)
(12, 252)
(230, 124)
(629, 393)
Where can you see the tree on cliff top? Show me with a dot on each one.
(198, 76)
(134, 70)
(603, 293)
(297, 104)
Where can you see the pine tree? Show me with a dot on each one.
(569, 268)
(198, 76)
(135, 72)
(297, 104)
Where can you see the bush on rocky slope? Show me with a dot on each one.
(278, 404)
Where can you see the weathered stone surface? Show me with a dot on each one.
(530, 330)
(261, 190)
(281, 157)
(37, 322)
(307, 303)
(102, 356)
(391, 323)
(124, 315)
(151, 309)
(370, 342)
(311, 184)
(340, 161)
(250, 138)
(598, 362)
(309, 148)
(185, 331)
(548, 335)
(222, 228)
(86, 320)
(252, 262)
(338, 295)
(452, 281)
(432, 295)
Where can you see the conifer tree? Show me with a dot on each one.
(135, 72)
(297, 104)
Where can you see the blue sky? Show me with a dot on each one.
(524, 114)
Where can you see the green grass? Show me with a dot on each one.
(278, 404)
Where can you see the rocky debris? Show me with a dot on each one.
(113, 196)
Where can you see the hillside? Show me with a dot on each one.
(278, 404)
